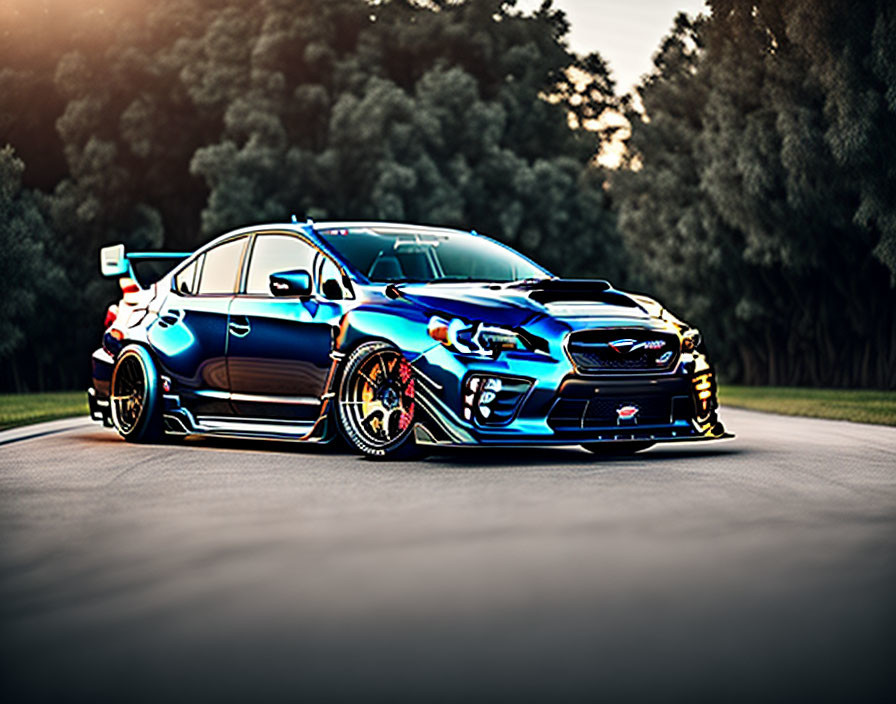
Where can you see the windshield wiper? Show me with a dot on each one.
(439, 280)
(528, 281)
(399, 281)
(463, 279)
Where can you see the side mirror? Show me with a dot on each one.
(290, 283)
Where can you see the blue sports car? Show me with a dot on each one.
(398, 338)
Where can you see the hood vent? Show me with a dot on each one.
(580, 290)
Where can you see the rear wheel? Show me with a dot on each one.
(609, 449)
(135, 402)
(376, 405)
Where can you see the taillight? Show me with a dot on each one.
(128, 285)
(111, 315)
(129, 289)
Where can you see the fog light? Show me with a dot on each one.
(493, 384)
(491, 400)
(704, 388)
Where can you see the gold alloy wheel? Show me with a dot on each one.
(377, 399)
(129, 395)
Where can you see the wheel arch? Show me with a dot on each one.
(406, 332)
(143, 344)
(148, 348)
(129, 344)
(352, 337)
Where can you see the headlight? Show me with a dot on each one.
(473, 338)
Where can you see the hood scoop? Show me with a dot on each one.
(576, 291)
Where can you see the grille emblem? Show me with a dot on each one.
(626, 414)
(628, 345)
(622, 346)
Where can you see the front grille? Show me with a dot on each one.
(615, 350)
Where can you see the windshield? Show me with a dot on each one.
(385, 255)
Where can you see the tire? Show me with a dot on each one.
(375, 405)
(609, 449)
(135, 406)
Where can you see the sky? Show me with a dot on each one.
(625, 32)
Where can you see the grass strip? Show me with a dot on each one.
(859, 406)
(24, 409)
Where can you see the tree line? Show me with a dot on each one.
(760, 183)
(754, 198)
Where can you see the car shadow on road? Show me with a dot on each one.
(531, 457)
(458, 457)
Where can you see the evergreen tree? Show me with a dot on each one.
(179, 119)
(28, 274)
(735, 201)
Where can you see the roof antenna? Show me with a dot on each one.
(295, 220)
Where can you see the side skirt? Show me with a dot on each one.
(182, 422)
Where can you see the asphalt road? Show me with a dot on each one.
(757, 569)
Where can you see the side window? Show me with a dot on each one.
(273, 253)
(330, 280)
(221, 270)
(185, 281)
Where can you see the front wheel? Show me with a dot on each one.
(376, 405)
(608, 449)
(135, 402)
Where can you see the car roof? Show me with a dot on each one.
(303, 228)
(378, 225)
(310, 228)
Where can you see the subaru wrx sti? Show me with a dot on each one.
(397, 337)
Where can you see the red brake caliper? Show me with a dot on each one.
(406, 374)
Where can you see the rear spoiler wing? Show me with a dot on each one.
(115, 262)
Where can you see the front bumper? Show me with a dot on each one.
(559, 407)
(680, 432)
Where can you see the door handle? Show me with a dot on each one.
(240, 327)
(172, 317)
